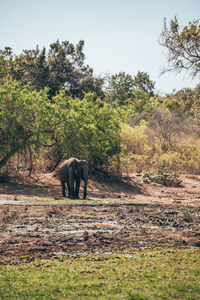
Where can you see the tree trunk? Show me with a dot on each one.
(9, 155)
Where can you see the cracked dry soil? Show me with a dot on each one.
(30, 231)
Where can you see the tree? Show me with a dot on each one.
(123, 87)
(3, 67)
(62, 67)
(142, 82)
(120, 88)
(166, 124)
(81, 128)
(183, 46)
(65, 125)
(23, 115)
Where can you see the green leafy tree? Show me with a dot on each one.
(142, 82)
(120, 88)
(62, 67)
(3, 67)
(183, 46)
(67, 125)
(143, 102)
(83, 129)
(22, 118)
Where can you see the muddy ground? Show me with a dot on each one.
(116, 217)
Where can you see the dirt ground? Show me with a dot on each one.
(117, 217)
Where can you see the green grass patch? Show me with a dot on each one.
(81, 201)
(147, 275)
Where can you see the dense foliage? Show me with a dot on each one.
(62, 67)
(22, 118)
(123, 88)
(66, 125)
(81, 128)
(53, 106)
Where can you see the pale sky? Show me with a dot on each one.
(119, 35)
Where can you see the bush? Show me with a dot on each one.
(164, 143)
(138, 146)
(162, 177)
(133, 162)
(170, 160)
(189, 149)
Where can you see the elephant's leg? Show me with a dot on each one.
(63, 188)
(77, 188)
(85, 189)
(69, 190)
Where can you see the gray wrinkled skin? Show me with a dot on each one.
(70, 171)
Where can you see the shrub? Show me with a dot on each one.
(169, 160)
(133, 162)
(189, 149)
(135, 147)
(162, 177)
(135, 139)
(163, 143)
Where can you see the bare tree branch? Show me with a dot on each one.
(183, 46)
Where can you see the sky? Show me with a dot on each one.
(119, 35)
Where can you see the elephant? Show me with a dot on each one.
(72, 170)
